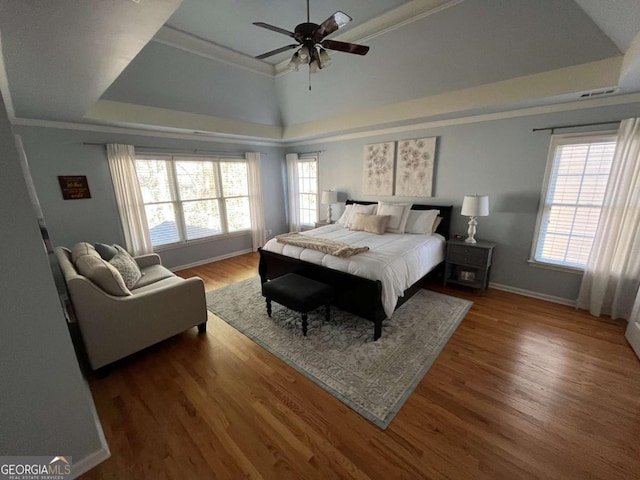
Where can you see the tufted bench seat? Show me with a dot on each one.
(298, 293)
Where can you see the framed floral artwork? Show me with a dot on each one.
(378, 169)
(414, 167)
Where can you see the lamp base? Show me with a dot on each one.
(471, 231)
(329, 213)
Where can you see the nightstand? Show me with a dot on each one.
(468, 263)
(322, 223)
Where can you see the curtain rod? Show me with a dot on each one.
(553, 129)
(192, 151)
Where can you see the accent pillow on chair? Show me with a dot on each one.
(107, 252)
(127, 266)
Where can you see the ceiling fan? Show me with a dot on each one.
(312, 44)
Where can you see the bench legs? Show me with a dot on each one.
(305, 315)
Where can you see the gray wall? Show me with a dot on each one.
(54, 152)
(45, 405)
(502, 159)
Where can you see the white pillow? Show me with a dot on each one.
(357, 208)
(421, 221)
(399, 212)
(345, 215)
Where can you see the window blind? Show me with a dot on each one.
(574, 198)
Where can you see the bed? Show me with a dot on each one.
(365, 284)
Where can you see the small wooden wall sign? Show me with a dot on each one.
(74, 187)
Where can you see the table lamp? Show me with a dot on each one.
(474, 206)
(328, 198)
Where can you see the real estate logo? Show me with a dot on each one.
(35, 468)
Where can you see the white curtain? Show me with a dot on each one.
(122, 163)
(256, 207)
(294, 193)
(612, 275)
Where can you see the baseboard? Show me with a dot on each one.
(529, 293)
(85, 464)
(212, 259)
(92, 460)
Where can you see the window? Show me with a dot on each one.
(192, 198)
(308, 190)
(577, 173)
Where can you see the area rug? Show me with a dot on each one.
(373, 378)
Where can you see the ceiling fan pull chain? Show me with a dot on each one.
(308, 15)
(309, 76)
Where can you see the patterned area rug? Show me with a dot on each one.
(373, 378)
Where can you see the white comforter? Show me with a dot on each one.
(397, 260)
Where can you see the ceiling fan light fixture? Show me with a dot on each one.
(323, 58)
(314, 67)
(304, 54)
(294, 64)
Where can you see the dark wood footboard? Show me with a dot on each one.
(360, 296)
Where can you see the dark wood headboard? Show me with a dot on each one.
(445, 212)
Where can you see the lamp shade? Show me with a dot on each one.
(329, 197)
(475, 206)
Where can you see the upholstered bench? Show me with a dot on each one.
(298, 293)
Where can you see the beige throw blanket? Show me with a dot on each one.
(330, 247)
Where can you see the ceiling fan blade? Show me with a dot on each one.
(275, 29)
(277, 50)
(330, 25)
(345, 47)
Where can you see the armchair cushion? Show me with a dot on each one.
(82, 248)
(102, 274)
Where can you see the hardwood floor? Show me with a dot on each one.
(523, 389)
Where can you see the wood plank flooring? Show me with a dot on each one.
(523, 389)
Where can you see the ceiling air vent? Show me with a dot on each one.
(598, 93)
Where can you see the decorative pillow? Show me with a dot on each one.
(102, 274)
(345, 215)
(370, 223)
(436, 224)
(127, 266)
(422, 221)
(357, 208)
(399, 213)
(82, 248)
(107, 252)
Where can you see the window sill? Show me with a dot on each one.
(558, 268)
(197, 241)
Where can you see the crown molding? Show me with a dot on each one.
(180, 134)
(187, 42)
(487, 117)
(147, 131)
(554, 86)
(387, 22)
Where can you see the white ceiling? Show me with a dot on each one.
(61, 56)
